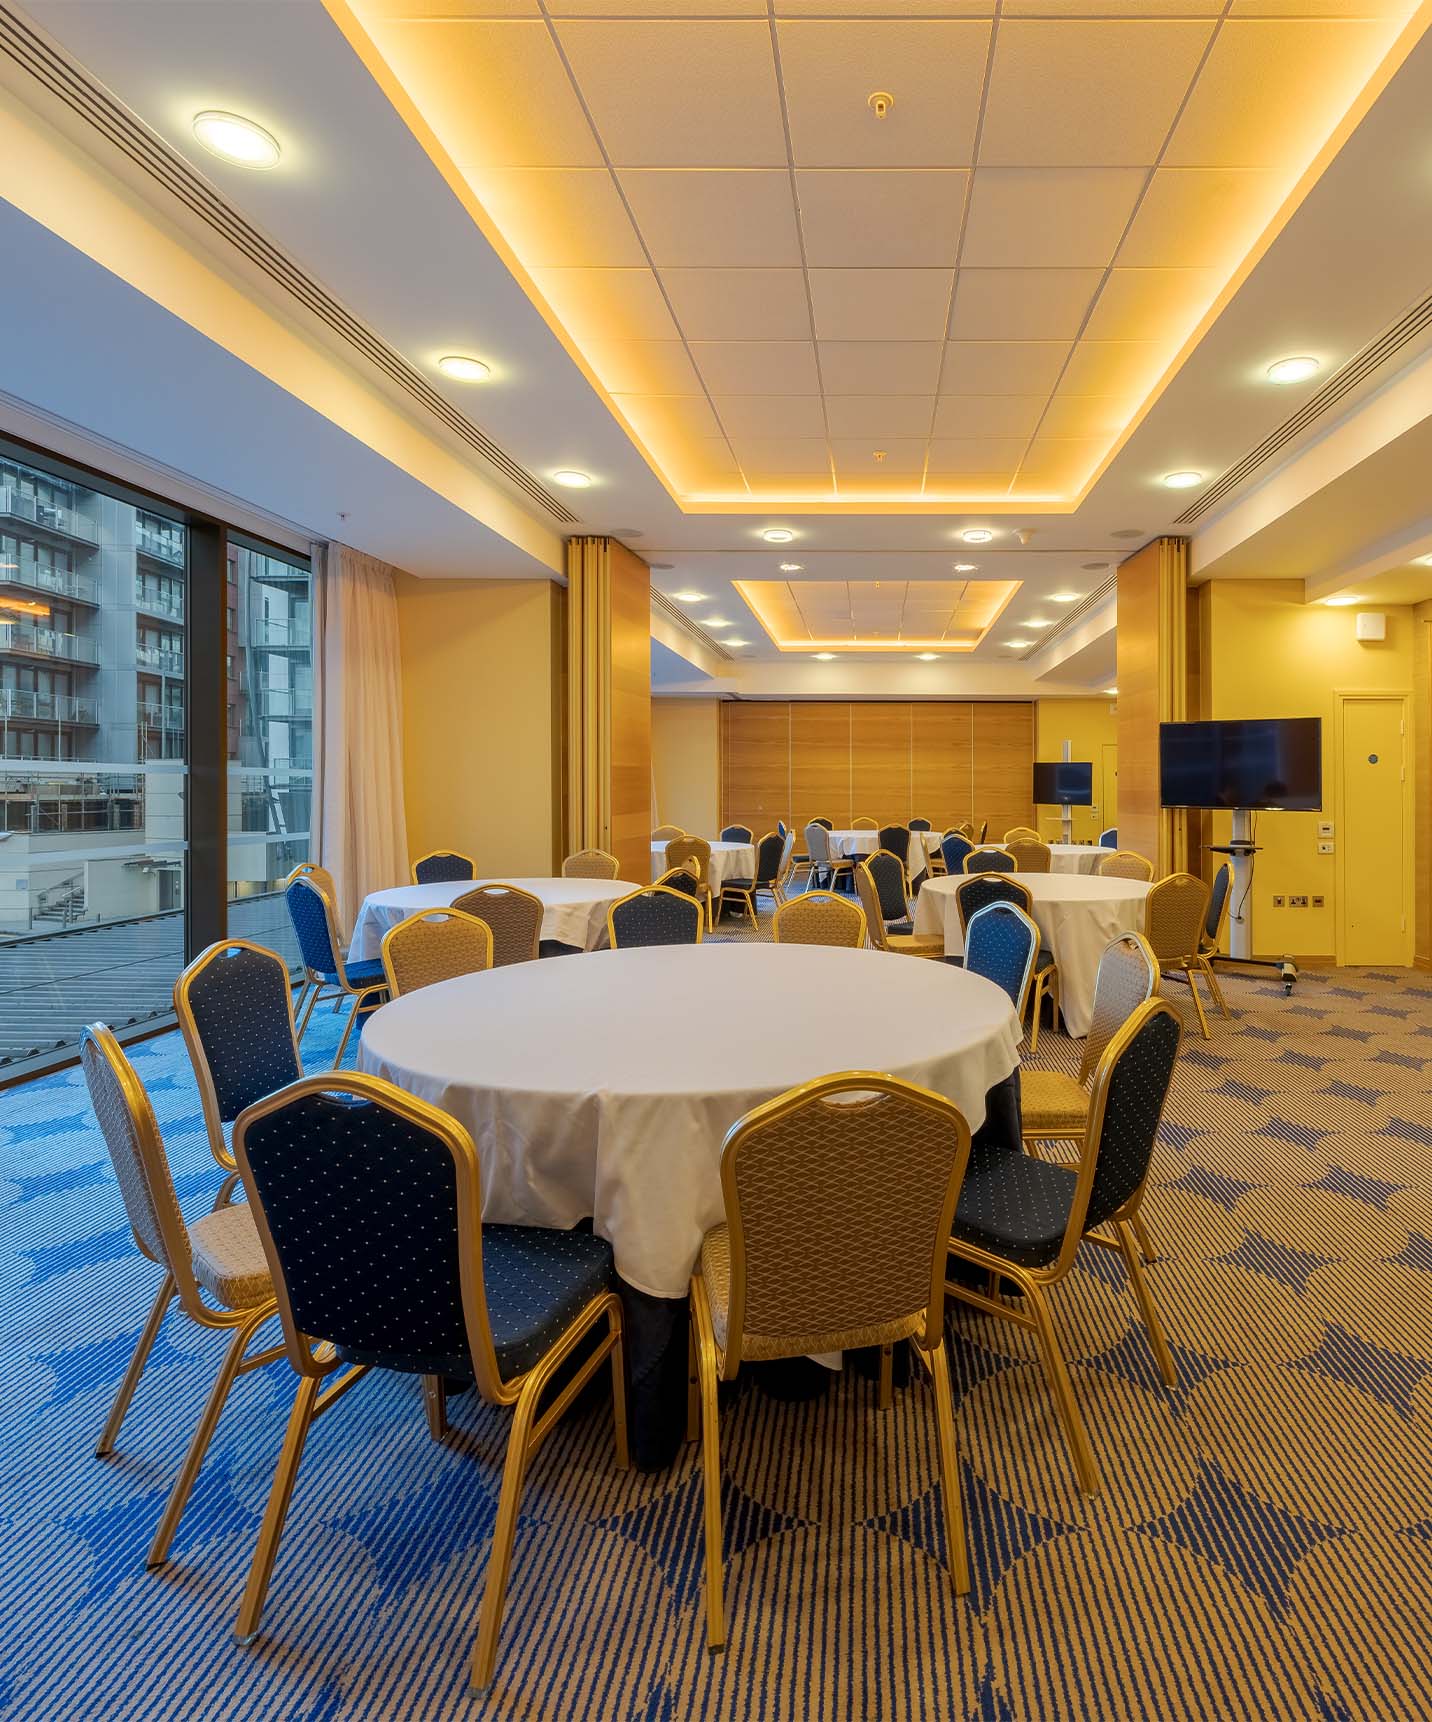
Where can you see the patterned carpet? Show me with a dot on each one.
(1262, 1547)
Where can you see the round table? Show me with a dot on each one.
(1078, 914)
(728, 861)
(606, 1088)
(1076, 857)
(574, 911)
(923, 844)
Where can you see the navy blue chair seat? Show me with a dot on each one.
(1015, 1206)
(900, 927)
(364, 974)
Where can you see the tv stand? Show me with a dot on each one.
(1240, 850)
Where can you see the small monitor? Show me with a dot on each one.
(1063, 783)
(1273, 763)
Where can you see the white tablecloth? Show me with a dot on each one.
(922, 845)
(574, 910)
(728, 861)
(1078, 915)
(607, 1087)
(1076, 857)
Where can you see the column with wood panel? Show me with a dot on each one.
(1153, 689)
(609, 703)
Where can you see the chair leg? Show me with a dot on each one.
(142, 1348)
(280, 1494)
(504, 1533)
(619, 1396)
(225, 1194)
(956, 1547)
(311, 990)
(693, 1386)
(710, 1469)
(435, 1406)
(1188, 973)
(1035, 1013)
(203, 1435)
(885, 1396)
(1140, 1227)
(1158, 1340)
(1206, 968)
(347, 1030)
(1086, 1467)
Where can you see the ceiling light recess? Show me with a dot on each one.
(464, 369)
(1065, 597)
(792, 567)
(715, 622)
(1342, 601)
(928, 657)
(1182, 480)
(825, 657)
(966, 568)
(977, 535)
(1019, 643)
(778, 535)
(570, 479)
(1295, 370)
(234, 139)
(689, 597)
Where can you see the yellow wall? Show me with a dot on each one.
(1422, 731)
(1090, 725)
(482, 676)
(686, 764)
(1268, 654)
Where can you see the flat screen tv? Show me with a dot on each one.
(1274, 763)
(1063, 783)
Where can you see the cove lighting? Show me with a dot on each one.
(689, 597)
(1111, 690)
(825, 657)
(234, 139)
(977, 535)
(1423, 561)
(1293, 370)
(1182, 480)
(463, 369)
(778, 535)
(570, 479)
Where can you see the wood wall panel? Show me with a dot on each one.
(631, 713)
(942, 763)
(880, 762)
(820, 763)
(1003, 765)
(757, 752)
(1153, 688)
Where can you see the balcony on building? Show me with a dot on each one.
(168, 605)
(57, 582)
(161, 543)
(48, 517)
(168, 660)
(25, 704)
(26, 639)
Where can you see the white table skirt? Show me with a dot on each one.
(923, 844)
(1076, 857)
(588, 1091)
(1077, 913)
(574, 911)
(728, 861)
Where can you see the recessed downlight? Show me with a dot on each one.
(977, 535)
(234, 139)
(1183, 480)
(570, 479)
(728, 641)
(928, 657)
(792, 567)
(1295, 370)
(1019, 643)
(689, 597)
(1065, 597)
(778, 535)
(1038, 622)
(715, 622)
(824, 657)
(966, 568)
(1111, 690)
(1342, 601)
(463, 368)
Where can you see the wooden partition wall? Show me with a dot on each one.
(941, 760)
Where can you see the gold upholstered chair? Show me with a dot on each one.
(1175, 914)
(513, 915)
(436, 945)
(665, 833)
(839, 1200)
(591, 864)
(867, 883)
(819, 918)
(214, 1268)
(1030, 855)
(695, 852)
(865, 823)
(1125, 864)
(1020, 834)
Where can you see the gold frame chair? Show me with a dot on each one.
(591, 864)
(1031, 855)
(222, 1245)
(1032, 1310)
(342, 987)
(420, 947)
(683, 850)
(902, 944)
(1018, 834)
(314, 1361)
(835, 865)
(1021, 1004)
(985, 849)
(865, 823)
(658, 889)
(746, 1265)
(1175, 935)
(432, 855)
(509, 901)
(1125, 864)
(324, 880)
(820, 912)
(747, 898)
(665, 833)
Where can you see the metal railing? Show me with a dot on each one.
(160, 545)
(157, 658)
(58, 708)
(296, 631)
(63, 581)
(47, 643)
(161, 717)
(159, 603)
(65, 521)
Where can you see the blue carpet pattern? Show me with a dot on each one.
(1262, 1546)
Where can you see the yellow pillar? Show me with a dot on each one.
(1153, 689)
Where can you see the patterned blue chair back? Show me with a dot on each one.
(1109, 839)
(1000, 944)
(954, 848)
(1217, 897)
(920, 825)
(678, 879)
(443, 868)
(654, 917)
(780, 827)
(980, 889)
(769, 857)
(309, 916)
(896, 838)
(235, 1006)
(737, 834)
(888, 872)
(1133, 1078)
(989, 861)
(825, 824)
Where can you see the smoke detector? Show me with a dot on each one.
(880, 103)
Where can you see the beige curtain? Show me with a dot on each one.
(358, 810)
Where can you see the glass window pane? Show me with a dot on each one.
(269, 612)
(93, 768)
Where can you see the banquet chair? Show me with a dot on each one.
(214, 1268)
(737, 834)
(316, 928)
(435, 945)
(1124, 864)
(770, 852)
(990, 860)
(654, 916)
(591, 864)
(369, 1205)
(1021, 834)
(1022, 1219)
(854, 1156)
(681, 879)
(234, 1004)
(983, 831)
(823, 859)
(966, 830)
(513, 916)
(892, 884)
(896, 838)
(864, 823)
(665, 833)
(786, 872)
(819, 918)
(904, 943)
(954, 846)
(1031, 855)
(694, 851)
(1217, 916)
(1109, 839)
(825, 824)
(326, 883)
(920, 825)
(1175, 913)
(1001, 943)
(443, 867)
(973, 893)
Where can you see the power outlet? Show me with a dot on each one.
(1280, 902)
(1325, 846)
(1297, 902)
(1320, 902)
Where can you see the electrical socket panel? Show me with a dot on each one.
(1298, 902)
(1280, 902)
(1325, 828)
(1320, 902)
(1325, 846)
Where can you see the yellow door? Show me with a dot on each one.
(1374, 890)
(1108, 787)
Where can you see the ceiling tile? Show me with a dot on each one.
(643, 367)
(1060, 466)
(662, 421)
(1266, 93)
(1022, 304)
(966, 484)
(1077, 93)
(855, 457)
(935, 70)
(704, 465)
(1126, 369)
(1161, 305)
(879, 367)
(1002, 367)
(1071, 416)
(905, 218)
(874, 416)
(757, 367)
(656, 8)
(371, 10)
(467, 72)
(771, 415)
(684, 93)
(976, 454)
(988, 415)
(864, 8)
(866, 304)
(1197, 218)
(739, 304)
(782, 454)
(559, 218)
(1047, 217)
(698, 218)
(1115, 8)
(779, 484)
(602, 304)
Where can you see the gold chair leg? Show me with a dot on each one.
(1206, 968)
(142, 1348)
(1158, 1340)
(226, 1190)
(280, 1494)
(1086, 1467)
(693, 1385)
(504, 1532)
(885, 1396)
(956, 1546)
(1141, 1231)
(619, 1394)
(203, 1435)
(710, 1469)
(303, 1006)
(435, 1406)
(1035, 1012)
(1197, 1001)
